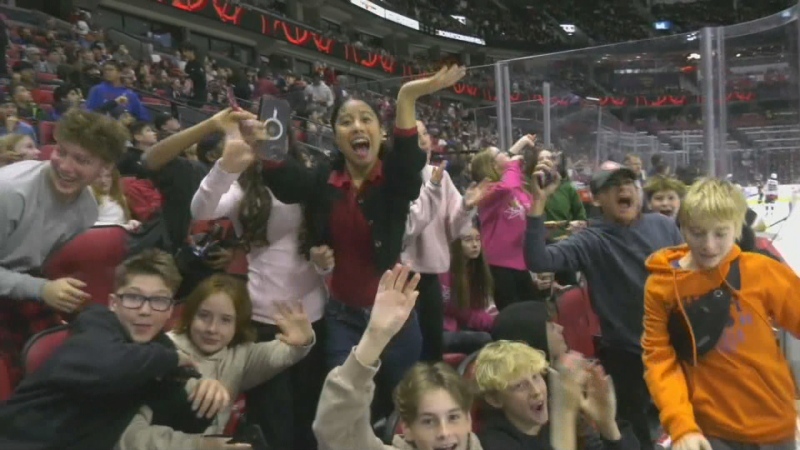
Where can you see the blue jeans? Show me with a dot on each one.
(345, 326)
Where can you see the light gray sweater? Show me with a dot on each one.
(33, 222)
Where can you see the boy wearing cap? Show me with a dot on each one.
(610, 253)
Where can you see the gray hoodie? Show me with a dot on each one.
(612, 257)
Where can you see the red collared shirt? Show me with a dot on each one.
(355, 278)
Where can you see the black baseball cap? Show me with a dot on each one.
(607, 174)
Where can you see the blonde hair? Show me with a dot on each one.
(502, 362)
(423, 378)
(712, 201)
(484, 167)
(660, 183)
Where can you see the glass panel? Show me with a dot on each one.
(604, 103)
(762, 101)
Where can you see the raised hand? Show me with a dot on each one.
(228, 120)
(540, 172)
(438, 173)
(237, 155)
(394, 301)
(444, 78)
(569, 382)
(295, 328)
(476, 192)
(600, 403)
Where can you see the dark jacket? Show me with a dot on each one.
(499, 433)
(385, 205)
(612, 257)
(86, 393)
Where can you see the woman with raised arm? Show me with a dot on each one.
(278, 272)
(358, 205)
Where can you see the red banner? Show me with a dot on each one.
(283, 29)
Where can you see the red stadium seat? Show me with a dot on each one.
(237, 414)
(47, 152)
(46, 130)
(41, 346)
(765, 244)
(7, 379)
(580, 323)
(91, 257)
(41, 96)
(454, 359)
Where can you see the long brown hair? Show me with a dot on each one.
(470, 279)
(116, 193)
(255, 208)
(256, 204)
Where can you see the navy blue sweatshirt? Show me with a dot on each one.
(85, 395)
(612, 257)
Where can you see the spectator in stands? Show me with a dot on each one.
(664, 194)
(502, 218)
(467, 294)
(27, 109)
(18, 147)
(320, 95)
(99, 53)
(611, 255)
(272, 233)
(55, 58)
(510, 377)
(142, 139)
(115, 359)
(634, 162)
(196, 72)
(177, 177)
(358, 206)
(214, 330)
(694, 371)
(112, 204)
(12, 124)
(25, 74)
(44, 204)
(166, 125)
(427, 246)
(65, 97)
(265, 85)
(113, 90)
(433, 401)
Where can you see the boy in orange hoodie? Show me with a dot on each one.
(712, 362)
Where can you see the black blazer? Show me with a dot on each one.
(385, 204)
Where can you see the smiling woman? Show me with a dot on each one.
(357, 205)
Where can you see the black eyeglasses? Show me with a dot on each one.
(136, 301)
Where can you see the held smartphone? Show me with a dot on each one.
(275, 114)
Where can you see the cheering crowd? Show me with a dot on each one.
(168, 285)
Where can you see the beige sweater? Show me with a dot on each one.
(238, 368)
(343, 414)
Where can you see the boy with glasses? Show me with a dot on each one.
(114, 360)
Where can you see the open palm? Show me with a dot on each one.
(394, 302)
(294, 325)
(477, 192)
(600, 403)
